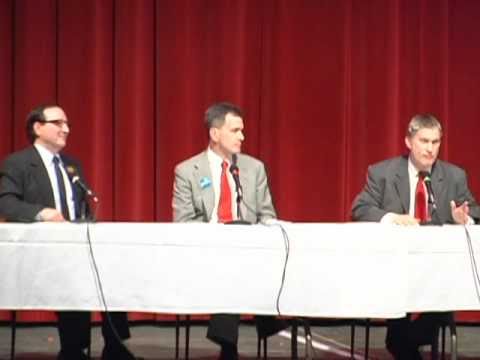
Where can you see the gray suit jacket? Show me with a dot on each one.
(194, 198)
(388, 190)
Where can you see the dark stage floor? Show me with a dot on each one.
(158, 342)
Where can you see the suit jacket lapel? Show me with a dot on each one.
(77, 194)
(203, 175)
(438, 187)
(245, 182)
(40, 174)
(402, 185)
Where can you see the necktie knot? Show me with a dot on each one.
(224, 166)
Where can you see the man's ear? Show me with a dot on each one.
(213, 131)
(36, 127)
(408, 143)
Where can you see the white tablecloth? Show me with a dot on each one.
(333, 270)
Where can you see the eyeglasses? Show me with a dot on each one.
(58, 122)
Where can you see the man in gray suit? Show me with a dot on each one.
(390, 196)
(206, 190)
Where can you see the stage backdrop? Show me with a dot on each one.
(327, 88)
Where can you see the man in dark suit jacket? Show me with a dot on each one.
(197, 197)
(30, 190)
(390, 196)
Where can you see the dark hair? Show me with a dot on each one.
(215, 114)
(36, 115)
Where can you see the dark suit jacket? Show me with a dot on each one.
(25, 187)
(388, 190)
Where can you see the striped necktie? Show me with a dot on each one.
(61, 188)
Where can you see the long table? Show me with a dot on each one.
(333, 269)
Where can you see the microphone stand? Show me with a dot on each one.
(239, 200)
(434, 218)
(432, 204)
(86, 215)
(240, 220)
(238, 188)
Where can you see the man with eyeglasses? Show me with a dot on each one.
(35, 186)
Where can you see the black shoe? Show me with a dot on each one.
(72, 356)
(412, 354)
(228, 352)
(118, 353)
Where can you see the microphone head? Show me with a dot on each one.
(71, 171)
(233, 166)
(234, 169)
(425, 175)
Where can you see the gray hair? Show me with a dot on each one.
(422, 121)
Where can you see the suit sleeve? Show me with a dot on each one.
(463, 194)
(367, 206)
(13, 207)
(265, 208)
(183, 206)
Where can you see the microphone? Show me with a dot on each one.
(428, 183)
(75, 179)
(235, 171)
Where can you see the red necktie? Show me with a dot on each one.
(421, 207)
(224, 212)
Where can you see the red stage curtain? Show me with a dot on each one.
(327, 88)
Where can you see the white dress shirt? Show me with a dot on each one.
(47, 158)
(215, 161)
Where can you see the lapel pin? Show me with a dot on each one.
(205, 182)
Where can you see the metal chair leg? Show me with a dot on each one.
(89, 349)
(308, 341)
(294, 340)
(177, 335)
(187, 336)
(352, 339)
(367, 337)
(443, 332)
(453, 338)
(13, 324)
(262, 341)
(450, 323)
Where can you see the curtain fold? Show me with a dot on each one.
(327, 87)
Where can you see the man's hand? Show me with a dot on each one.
(404, 219)
(460, 213)
(49, 214)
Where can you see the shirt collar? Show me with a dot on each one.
(214, 158)
(412, 170)
(46, 155)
